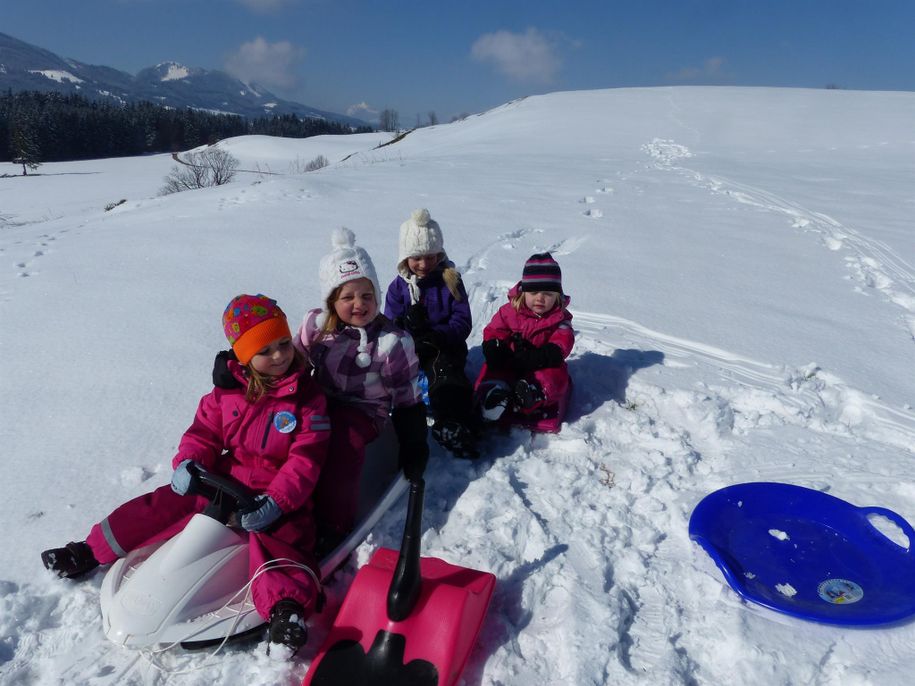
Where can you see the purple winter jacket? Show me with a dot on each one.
(448, 316)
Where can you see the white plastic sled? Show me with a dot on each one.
(192, 589)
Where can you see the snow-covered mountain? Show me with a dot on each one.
(741, 266)
(27, 67)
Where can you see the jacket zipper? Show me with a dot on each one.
(267, 430)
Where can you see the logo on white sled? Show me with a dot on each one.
(139, 603)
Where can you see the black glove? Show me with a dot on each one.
(498, 353)
(222, 377)
(416, 319)
(530, 358)
(410, 427)
(428, 345)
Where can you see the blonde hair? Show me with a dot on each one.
(452, 279)
(518, 300)
(450, 275)
(259, 384)
(332, 320)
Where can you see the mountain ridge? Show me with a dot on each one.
(27, 67)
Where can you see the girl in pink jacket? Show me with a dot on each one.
(270, 433)
(525, 378)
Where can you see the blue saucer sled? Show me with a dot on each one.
(808, 554)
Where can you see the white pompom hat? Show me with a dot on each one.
(420, 235)
(347, 262)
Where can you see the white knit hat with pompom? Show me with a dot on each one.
(347, 262)
(420, 235)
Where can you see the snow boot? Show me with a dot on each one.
(71, 561)
(495, 402)
(287, 631)
(527, 395)
(455, 438)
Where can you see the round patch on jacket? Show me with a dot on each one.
(284, 422)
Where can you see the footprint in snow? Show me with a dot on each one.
(593, 213)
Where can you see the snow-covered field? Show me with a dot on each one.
(742, 270)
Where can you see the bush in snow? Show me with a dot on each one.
(210, 167)
(318, 162)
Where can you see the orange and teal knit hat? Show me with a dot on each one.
(252, 322)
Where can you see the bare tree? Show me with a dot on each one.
(388, 120)
(211, 167)
(433, 118)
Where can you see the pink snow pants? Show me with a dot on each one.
(159, 515)
(337, 492)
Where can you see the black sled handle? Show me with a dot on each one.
(406, 582)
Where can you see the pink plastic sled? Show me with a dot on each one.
(406, 620)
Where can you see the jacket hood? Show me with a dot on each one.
(288, 382)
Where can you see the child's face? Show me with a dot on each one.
(423, 265)
(356, 305)
(540, 302)
(274, 359)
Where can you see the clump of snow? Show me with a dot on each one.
(890, 529)
(786, 590)
(780, 535)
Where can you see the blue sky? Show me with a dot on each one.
(360, 56)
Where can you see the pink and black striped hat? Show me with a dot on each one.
(541, 273)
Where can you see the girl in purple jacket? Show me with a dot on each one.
(428, 300)
(270, 432)
(369, 371)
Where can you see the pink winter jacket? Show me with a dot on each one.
(274, 446)
(553, 327)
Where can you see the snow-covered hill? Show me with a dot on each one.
(742, 270)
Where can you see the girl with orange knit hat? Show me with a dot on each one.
(270, 433)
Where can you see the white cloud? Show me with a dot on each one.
(268, 64)
(711, 68)
(362, 110)
(528, 56)
(264, 6)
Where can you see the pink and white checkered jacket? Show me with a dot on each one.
(389, 381)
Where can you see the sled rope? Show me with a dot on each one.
(152, 655)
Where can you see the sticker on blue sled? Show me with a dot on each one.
(840, 591)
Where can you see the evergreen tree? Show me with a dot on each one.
(70, 127)
(24, 146)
